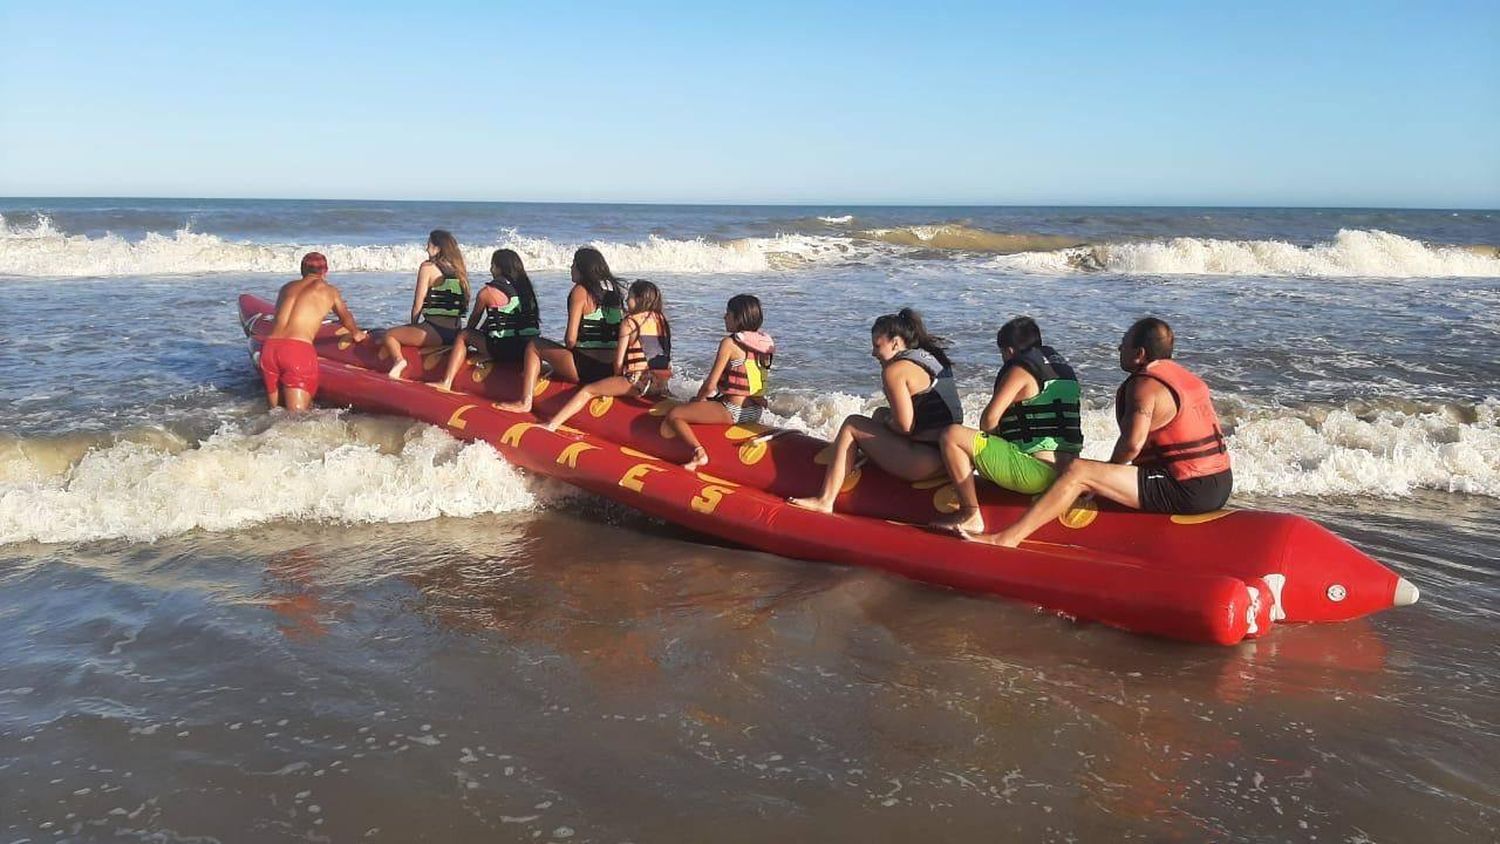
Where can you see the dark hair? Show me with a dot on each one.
(648, 300)
(507, 263)
(1020, 334)
(744, 313)
(907, 324)
(449, 260)
(313, 263)
(1153, 335)
(593, 271)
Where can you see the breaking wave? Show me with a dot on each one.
(335, 467)
(954, 237)
(322, 466)
(40, 250)
(1356, 449)
(1353, 253)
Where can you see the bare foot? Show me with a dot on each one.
(396, 370)
(961, 523)
(1003, 539)
(514, 406)
(814, 504)
(700, 459)
(443, 386)
(552, 425)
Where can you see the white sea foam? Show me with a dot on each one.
(1280, 451)
(323, 466)
(329, 466)
(40, 250)
(1352, 253)
(838, 221)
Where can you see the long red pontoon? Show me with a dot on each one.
(1219, 577)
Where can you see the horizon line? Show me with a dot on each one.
(737, 203)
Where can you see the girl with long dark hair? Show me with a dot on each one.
(587, 352)
(505, 318)
(917, 379)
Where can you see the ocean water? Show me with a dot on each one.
(232, 624)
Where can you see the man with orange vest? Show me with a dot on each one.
(1170, 457)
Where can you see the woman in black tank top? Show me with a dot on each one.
(900, 438)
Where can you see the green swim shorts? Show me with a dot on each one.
(1001, 463)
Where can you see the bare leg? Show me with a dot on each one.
(1110, 480)
(615, 385)
(899, 455)
(457, 357)
(531, 371)
(273, 397)
(705, 412)
(957, 447)
(297, 400)
(845, 443)
(406, 335)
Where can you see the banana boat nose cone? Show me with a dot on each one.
(1406, 593)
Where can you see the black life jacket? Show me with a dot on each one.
(938, 405)
(1052, 419)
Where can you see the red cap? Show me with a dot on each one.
(313, 263)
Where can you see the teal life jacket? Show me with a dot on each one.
(600, 328)
(1052, 419)
(516, 318)
(445, 301)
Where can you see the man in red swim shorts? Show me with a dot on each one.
(288, 362)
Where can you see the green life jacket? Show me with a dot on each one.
(516, 318)
(600, 328)
(1050, 420)
(445, 300)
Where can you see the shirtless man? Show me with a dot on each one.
(288, 362)
(1170, 457)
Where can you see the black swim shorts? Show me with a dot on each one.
(1162, 493)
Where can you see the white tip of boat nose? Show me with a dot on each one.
(1406, 593)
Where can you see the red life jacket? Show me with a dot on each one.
(1192, 444)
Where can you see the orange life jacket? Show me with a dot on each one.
(1192, 444)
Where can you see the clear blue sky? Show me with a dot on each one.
(1305, 103)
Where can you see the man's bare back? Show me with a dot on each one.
(301, 306)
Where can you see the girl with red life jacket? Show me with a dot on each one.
(1171, 456)
(901, 439)
(643, 355)
(735, 389)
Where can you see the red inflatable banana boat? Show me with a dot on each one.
(1218, 577)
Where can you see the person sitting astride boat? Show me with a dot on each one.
(587, 352)
(643, 355)
(1033, 423)
(901, 439)
(441, 300)
(1170, 457)
(505, 318)
(288, 361)
(734, 393)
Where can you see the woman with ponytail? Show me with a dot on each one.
(596, 307)
(437, 309)
(917, 378)
(505, 317)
